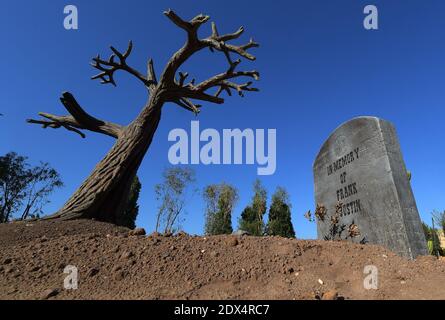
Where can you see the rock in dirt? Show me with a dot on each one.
(120, 275)
(9, 270)
(288, 270)
(137, 232)
(232, 242)
(155, 234)
(34, 268)
(330, 295)
(92, 272)
(311, 296)
(127, 255)
(49, 293)
(182, 234)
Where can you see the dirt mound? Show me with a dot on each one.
(23, 232)
(114, 265)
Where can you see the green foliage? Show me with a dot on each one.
(220, 200)
(248, 221)
(280, 223)
(427, 231)
(171, 194)
(251, 219)
(430, 246)
(129, 215)
(14, 180)
(432, 239)
(439, 218)
(23, 187)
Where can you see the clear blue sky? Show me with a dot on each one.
(319, 68)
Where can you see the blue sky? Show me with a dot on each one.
(319, 67)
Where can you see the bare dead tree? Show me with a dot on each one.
(102, 195)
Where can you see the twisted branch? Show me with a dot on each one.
(79, 120)
(56, 122)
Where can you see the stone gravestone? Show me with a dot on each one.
(360, 178)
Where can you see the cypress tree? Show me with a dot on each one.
(220, 202)
(252, 216)
(129, 215)
(280, 223)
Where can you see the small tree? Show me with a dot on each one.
(172, 193)
(252, 216)
(248, 221)
(22, 187)
(220, 201)
(129, 215)
(280, 223)
(42, 181)
(14, 179)
(439, 218)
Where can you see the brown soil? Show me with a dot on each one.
(114, 265)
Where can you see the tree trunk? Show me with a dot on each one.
(5, 211)
(104, 194)
(26, 212)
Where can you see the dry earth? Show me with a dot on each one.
(113, 264)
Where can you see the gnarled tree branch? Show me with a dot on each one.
(108, 67)
(179, 90)
(79, 120)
